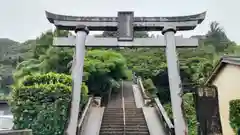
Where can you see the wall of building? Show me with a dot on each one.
(228, 85)
(5, 109)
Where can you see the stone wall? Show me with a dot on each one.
(16, 132)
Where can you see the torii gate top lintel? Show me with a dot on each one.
(95, 23)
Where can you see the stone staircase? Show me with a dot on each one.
(112, 122)
(135, 120)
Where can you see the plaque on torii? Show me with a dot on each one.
(125, 24)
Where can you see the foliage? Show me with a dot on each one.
(4, 97)
(49, 78)
(145, 62)
(41, 103)
(234, 113)
(190, 113)
(15, 53)
(8, 59)
(129, 75)
(149, 87)
(103, 68)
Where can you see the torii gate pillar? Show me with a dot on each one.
(77, 74)
(175, 83)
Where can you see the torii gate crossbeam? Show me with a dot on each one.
(126, 24)
(92, 41)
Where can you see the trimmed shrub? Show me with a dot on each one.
(41, 103)
(149, 87)
(49, 78)
(234, 113)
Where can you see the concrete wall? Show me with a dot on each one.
(16, 132)
(228, 85)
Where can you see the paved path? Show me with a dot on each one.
(94, 121)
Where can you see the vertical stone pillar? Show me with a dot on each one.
(175, 83)
(77, 74)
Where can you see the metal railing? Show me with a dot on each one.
(84, 115)
(169, 128)
(123, 107)
(168, 125)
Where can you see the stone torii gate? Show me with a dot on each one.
(126, 24)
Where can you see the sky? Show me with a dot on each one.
(21, 20)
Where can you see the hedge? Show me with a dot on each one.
(49, 78)
(41, 103)
(234, 113)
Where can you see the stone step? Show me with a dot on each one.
(127, 123)
(112, 120)
(121, 133)
(126, 133)
(113, 113)
(112, 123)
(113, 109)
(111, 133)
(136, 124)
(133, 114)
(122, 126)
(133, 109)
(135, 119)
(111, 116)
(126, 129)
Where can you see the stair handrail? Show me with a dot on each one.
(84, 114)
(123, 107)
(169, 127)
(167, 122)
(140, 84)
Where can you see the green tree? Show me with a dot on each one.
(217, 37)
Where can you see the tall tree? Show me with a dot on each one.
(217, 37)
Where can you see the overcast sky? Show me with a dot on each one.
(21, 20)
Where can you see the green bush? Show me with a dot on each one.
(129, 75)
(49, 78)
(41, 103)
(234, 117)
(149, 87)
(190, 113)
